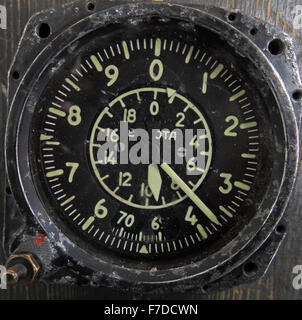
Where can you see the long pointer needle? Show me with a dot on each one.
(187, 190)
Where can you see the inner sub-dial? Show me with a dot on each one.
(132, 171)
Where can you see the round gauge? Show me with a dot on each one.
(150, 142)
(165, 80)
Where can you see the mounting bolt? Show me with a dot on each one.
(21, 268)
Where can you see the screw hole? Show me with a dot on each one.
(276, 47)
(281, 229)
(16, 75)
(205, 288)
(297, 95)
(91, 6)
(250, 269)
(253, 31)
(43, 30)
(232, 16)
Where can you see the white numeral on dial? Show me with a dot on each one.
(74, 167)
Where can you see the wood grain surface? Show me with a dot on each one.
(277, 284)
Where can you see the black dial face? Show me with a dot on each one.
(167, 79)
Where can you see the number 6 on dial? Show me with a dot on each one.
(100, 211)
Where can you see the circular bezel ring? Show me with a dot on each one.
(230, 256)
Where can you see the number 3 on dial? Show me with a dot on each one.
(227, 181)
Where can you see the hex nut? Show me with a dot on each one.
(29, 258)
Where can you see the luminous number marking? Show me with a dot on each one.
(227, 181)
(100, 211)
(127, 218)
(154, 108)
(145, 191)
(156, 70)
(112, 73)
(229, 131)
(179, 123)
(193, 220)
(74, 166)
(125, 178)
(155, 224)
(191, 217)
(74, 117)
(129, 115)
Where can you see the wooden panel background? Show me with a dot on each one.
(277, 284)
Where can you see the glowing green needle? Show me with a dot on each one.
(154, 180)
(187, 190)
